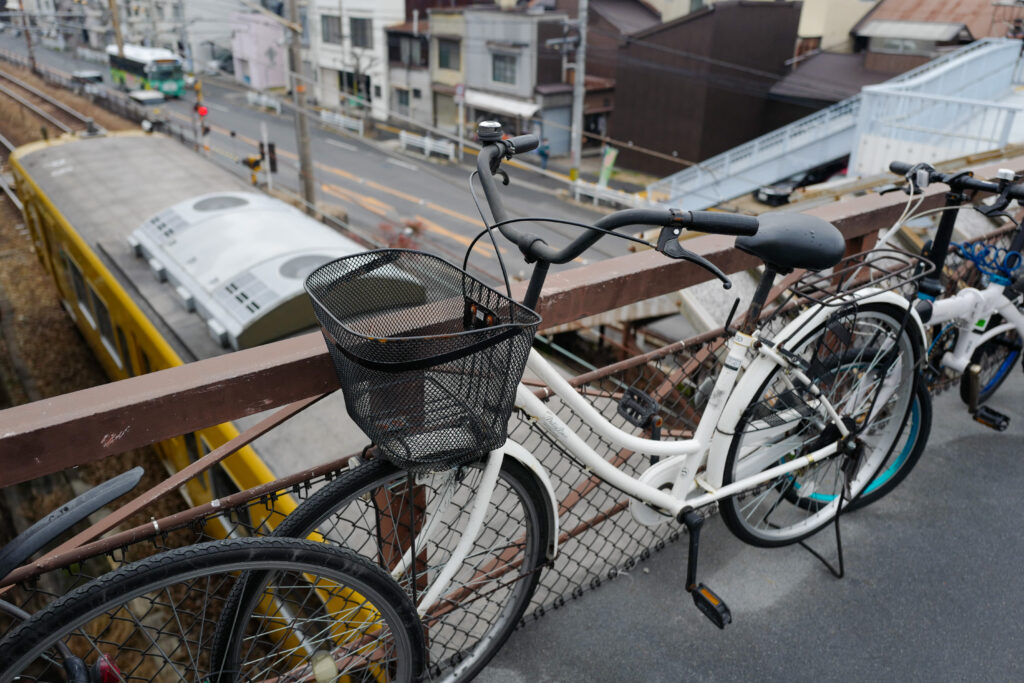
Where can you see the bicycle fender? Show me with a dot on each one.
(759, 369)
(528, 460)
(28, 542)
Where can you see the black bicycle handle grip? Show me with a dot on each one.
(900, 167)
(721, 223)
(521, 144)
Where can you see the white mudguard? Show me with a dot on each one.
(527, 459)
(762, 366)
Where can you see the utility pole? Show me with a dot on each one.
(28, 40)
(115, 19)
(579, 92)
(299, 98)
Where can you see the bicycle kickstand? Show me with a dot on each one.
(712, 606)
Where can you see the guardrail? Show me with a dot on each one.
(259, 99)
(427, 144)
(603, 194)
(333, 118)
(945, 111)
(977, 71)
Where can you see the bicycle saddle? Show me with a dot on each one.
(786, 241)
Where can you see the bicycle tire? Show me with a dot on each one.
(150, 619)
(996, 357)
(906, 455)
(464, 639)
(800, 505)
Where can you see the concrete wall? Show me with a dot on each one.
(832, 20)
(259, 50)
(491, 32)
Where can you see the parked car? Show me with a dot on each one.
(777, 194)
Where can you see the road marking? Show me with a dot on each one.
(371, 204)
(430, 225)
(476, 222)
(332, 169)
(403, 164)
(396, 193)
(343, 145)
(218, 107)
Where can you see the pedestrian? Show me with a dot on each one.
(545, 152)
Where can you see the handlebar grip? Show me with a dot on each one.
(722, 223)
(900, 167)
(521, 144)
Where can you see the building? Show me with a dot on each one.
(198, 30)
(511, 77)
(409, 84)
(447, 66)
(699, 85)
(348, 53)
(259, 51)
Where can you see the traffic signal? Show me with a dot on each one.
(200, 109)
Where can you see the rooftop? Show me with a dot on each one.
(976, 14)
(828, 76)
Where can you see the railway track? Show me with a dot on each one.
(46, 107)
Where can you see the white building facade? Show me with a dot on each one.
(348, 53)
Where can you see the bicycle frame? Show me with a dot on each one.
(746, 366)
(972, 308)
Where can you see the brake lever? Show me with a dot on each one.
(668, 244)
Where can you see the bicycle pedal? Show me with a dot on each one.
(992, 418)
(712, 606)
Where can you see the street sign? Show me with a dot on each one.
(460, 92)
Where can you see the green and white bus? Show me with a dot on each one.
(147, 68)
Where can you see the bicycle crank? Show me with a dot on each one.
(706, 600)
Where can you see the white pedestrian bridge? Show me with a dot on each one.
(961, 103)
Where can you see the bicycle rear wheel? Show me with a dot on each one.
(869, 358)
(320, 611)
(368, 510)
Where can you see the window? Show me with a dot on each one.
(126, 353)
(408, 50)
(696, 5)
(376, 91)
(447, 53)
(304, 22)
(402, 97)
(362, 32)
(78, 285)
(330, 29)
(417, 93)
(104, 325)
(503, 69)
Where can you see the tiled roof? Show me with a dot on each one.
(976, 14)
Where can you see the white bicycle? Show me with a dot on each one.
(796, 425)
(978, 330)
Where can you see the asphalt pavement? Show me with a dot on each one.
(932, 592)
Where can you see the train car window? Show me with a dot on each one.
(104, 324)
(144, 361)
(126, 353)
(78, 284)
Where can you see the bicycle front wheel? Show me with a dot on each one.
(371, 510)
(863, 360)
(321, 613)
(996, 357)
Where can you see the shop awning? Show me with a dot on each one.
(500, 105)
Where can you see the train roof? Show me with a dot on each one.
(229, 262)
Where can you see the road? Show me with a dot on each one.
(932, 589)
(373, 181)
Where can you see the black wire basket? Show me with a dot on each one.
(428, 356)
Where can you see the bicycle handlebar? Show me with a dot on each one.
(536, 249)
(957, 181)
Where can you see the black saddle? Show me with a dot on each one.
(786, 241)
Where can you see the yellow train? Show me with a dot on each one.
(163, 257)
